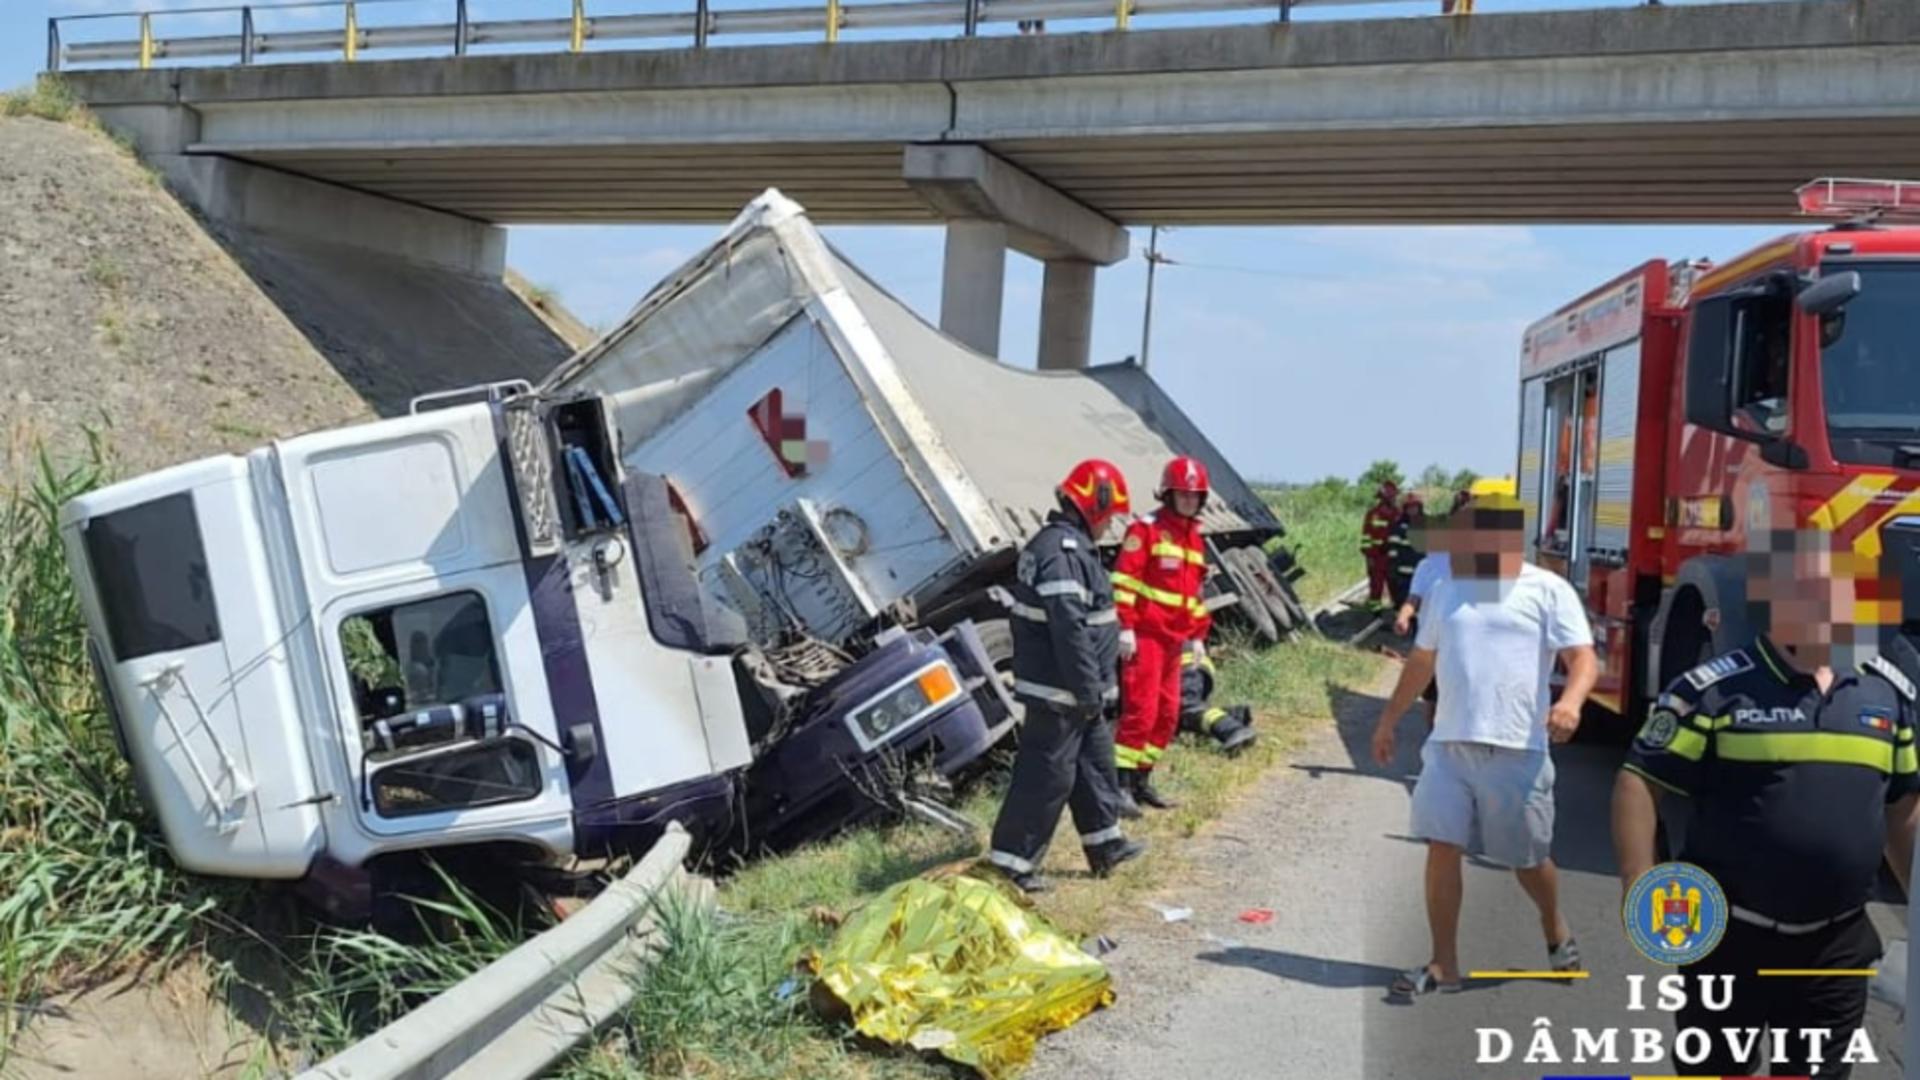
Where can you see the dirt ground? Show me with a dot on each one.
(118, 312)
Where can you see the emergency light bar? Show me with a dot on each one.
(1856, 198)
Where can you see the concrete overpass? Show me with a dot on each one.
(1050, 144)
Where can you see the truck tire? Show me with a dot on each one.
(1251, 608)
(1271, 589)
(996, 636)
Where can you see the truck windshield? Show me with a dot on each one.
(1870, 367)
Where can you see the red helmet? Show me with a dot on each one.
(1183, 474)
(1097, 490)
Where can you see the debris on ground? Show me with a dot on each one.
(960, 968)
(1171, 914)
(1257, 915)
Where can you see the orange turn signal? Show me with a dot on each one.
(938, 684)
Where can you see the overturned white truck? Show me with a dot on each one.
(732, 565)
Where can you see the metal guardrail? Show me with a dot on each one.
(518, 1015)
(599, 20)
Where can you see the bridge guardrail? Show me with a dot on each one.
(584, 21)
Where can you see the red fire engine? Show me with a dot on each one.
(1665, 411)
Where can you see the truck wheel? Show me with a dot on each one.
(996, 637)
(1251, 606)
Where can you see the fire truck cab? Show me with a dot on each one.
(1667, 412)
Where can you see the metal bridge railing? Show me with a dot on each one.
(348, 39)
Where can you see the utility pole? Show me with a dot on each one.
(1154, 259)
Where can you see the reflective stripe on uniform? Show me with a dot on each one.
(1168, 597)
(1126, 757)
(1064, 587)
(1906, 760)
(1125, 598)
(1175, 551)
(1712, 723)
(1045, 693)
(1211, 717)
(1688, 744)
(1031, 614)
(1101, 836)
(1152, 753)
(1824, 747)
(1012, 862)
(1103, 617)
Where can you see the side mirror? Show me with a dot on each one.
(1709, 381)
(1830, 293)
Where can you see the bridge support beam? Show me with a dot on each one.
(275, 203)
(991, 205)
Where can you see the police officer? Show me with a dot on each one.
(1066, 646)
(1801, 772)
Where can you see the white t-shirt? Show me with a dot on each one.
(1431, 571)
(1496, 642)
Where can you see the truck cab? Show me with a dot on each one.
(466, 626)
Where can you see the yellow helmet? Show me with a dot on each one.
(1494, 485)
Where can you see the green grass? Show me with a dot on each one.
(86, 889)
(1323, 529)
(47, 99)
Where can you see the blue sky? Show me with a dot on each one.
(1302, 351)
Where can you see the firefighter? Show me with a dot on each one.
(1157, 580)
(1231, 727)
(1374, 530)
(1402, 555)
(1066, 641)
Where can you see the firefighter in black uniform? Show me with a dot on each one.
(1800, 775)
(1066, 649)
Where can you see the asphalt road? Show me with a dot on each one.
(1324, 846)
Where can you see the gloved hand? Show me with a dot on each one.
(1129, 645)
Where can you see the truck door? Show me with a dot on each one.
(424, 674)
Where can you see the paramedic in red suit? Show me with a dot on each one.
(1373, 538)
(1157, 580)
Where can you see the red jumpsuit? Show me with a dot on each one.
(1374, 532)
(1156, 587)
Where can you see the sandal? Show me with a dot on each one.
(1422, 980)
(1565, 956)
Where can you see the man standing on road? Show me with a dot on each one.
(1432, 569)
(1157, 581)
(1493, 632)
(1374, 530)
(1802, 774)
(1066, 643)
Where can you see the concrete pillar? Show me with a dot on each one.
(991, 204)
(973, 283)
(1066, 315)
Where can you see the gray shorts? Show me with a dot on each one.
(1491, 800)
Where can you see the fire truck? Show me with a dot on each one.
(1672, 409)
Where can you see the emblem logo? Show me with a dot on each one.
(1659, 731)
(1675, 913)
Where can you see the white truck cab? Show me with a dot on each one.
(349, 643)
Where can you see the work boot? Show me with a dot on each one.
(1145, 794)
(1232, 731)
(1027, 881)
(1126, 807)
(1103, 858)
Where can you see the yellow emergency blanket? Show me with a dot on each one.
(959, 967)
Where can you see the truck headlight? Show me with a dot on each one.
(898, 708)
